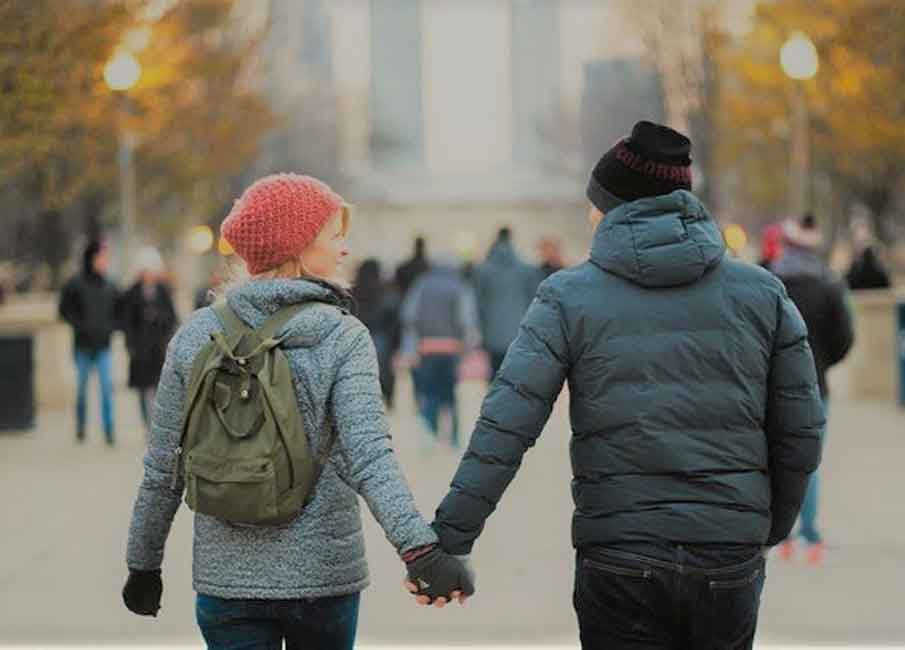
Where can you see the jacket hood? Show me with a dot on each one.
(661, 241)
(257, 300)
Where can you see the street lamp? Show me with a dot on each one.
(200, 239)
(121, 74)
(799, 61)
(798, 57)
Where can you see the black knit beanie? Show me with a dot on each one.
(654, 160)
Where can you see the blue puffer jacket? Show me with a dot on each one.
(695, 410)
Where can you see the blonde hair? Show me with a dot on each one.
(237, 274)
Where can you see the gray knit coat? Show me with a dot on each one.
(322, 552)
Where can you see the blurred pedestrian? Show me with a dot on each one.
(823, 304)
(89, 302)
(694, 406)
(378, 306)
(278, 542)
(407, 274)
(770, 245)
(440, 324)
(552, 260)
(149, 320)
(409, 271)
(868, 271)
(505, 286)
(204, 296)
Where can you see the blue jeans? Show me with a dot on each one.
(627, 601)
(807, 527)
(437, 379)
(85, 362)
(309, 624)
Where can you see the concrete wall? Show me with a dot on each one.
(387, 232)
(871, 371)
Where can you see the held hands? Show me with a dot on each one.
(436, 578)
(142, 592)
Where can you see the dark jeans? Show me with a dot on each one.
(628, 601)
(312, 624)
(437, 380)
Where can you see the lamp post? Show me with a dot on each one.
(121, 73)
(799, 61)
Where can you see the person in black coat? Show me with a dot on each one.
(821, 299)
(867, 271)
(149, 320)
(412, 268)
(407, 274)
(378, 307)
(89, 302)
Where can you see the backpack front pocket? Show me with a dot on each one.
(239, 491)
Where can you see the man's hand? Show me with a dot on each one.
(437, 578)
(143, 591)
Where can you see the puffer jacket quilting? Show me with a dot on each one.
(694, 405)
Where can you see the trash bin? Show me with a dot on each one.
(900, 340)
(17, 383)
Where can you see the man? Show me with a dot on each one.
(89, 304)
(409, 271)
(695, 412)
(550, 250)
(504, 285)
(407, 274)
(867, 271)
(821, 299)
(439, 324)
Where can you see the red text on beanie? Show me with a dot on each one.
(277, 218)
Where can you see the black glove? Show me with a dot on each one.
(142, 592)
(439, 574)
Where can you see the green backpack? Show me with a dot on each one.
(243, 451)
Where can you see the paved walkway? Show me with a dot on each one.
(65, 512)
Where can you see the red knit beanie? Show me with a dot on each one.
(277, 218)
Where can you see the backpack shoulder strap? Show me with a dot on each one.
(231, 323)
(280, 318)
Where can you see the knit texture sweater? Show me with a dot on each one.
(322, 552)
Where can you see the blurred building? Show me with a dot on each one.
(451, 118)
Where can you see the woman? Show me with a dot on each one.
(299, 582)
(148, 318)
(378, 308)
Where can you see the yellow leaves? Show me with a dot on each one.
(855, 103)
(59, 119)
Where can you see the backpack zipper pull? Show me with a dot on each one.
(177, 455)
